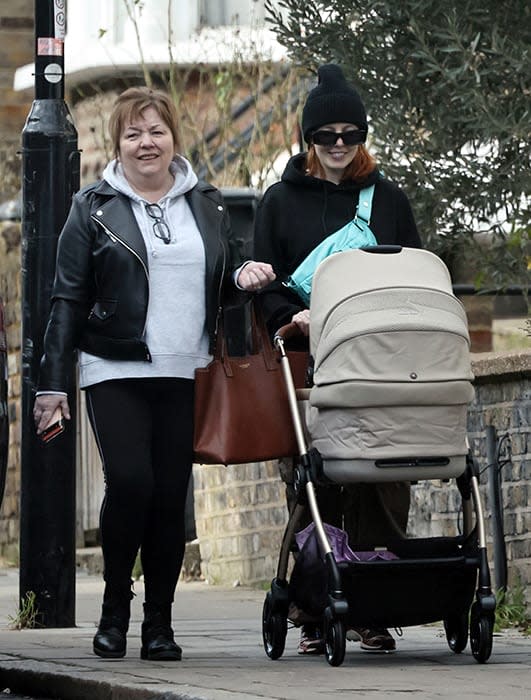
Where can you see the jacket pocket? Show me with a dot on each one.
(103, 310)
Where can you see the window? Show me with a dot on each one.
(215, 13)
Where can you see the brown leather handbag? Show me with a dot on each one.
(241, 404)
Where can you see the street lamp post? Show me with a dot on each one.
(50, 175)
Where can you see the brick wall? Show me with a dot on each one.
(90, 117)
(10, 292)
(240, 516)
(503, 401)
(16, 49)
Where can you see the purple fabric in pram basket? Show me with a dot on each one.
(339, 543)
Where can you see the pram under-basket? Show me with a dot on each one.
(432, 579)
(405, 592)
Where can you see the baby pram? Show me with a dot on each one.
(391, 385)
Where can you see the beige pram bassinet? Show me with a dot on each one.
(392, 376)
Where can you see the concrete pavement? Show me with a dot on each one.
(219, 629)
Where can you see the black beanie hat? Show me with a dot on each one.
(332, 100)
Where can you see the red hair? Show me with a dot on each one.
(358, 169)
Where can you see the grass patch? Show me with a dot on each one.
(137, 572)
(511, 610)
(263, 585)
(26, 617)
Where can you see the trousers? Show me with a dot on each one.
(144, 432)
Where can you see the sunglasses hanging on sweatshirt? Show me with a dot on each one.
(160, 227)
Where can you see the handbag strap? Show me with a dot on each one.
(260, 340)
(220, 352)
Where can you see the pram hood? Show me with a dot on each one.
(391, 348)
(387, 318)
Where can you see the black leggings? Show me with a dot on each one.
(144, 431)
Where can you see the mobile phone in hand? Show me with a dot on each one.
(55, 427)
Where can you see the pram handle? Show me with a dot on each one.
(289, 330)
(382, 248)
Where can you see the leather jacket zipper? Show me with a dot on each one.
(116, 239)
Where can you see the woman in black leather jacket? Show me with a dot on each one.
(145, 262)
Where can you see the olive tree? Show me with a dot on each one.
(447, 90)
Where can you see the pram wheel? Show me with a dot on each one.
(335, 641)
(274, 630)
(481, 631)
(456, 628)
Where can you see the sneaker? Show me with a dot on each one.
(376, 640)
(311, 641)
(353, 634)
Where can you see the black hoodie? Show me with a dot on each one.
(300, 211)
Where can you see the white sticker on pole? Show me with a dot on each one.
(53, 73)
(49, 46)
(59, 19)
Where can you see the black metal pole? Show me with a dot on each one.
(496, 507)
(50, 175)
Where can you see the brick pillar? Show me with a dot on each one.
(240, 516)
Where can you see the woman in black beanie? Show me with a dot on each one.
(318, 194)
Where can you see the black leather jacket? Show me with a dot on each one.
(101, 289)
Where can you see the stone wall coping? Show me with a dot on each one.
(513, 364)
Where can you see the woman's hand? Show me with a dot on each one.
(44, 407)
(302, 321)
(255, 275)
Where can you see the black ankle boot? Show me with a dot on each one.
(158, 643)
(110, 638)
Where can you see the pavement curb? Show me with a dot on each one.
(53, 683)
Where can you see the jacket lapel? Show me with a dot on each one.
(208, 214)
(118, 218)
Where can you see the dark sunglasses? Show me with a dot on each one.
(160, 227)
(329, 138)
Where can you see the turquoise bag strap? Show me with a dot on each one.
(364, 208)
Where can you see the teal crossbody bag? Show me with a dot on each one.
(355, 234)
